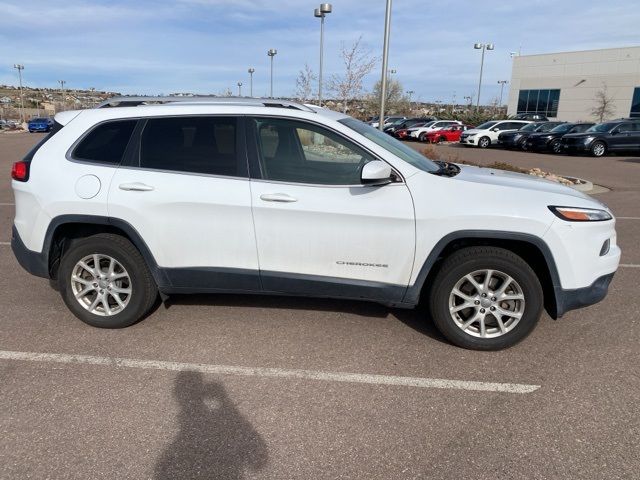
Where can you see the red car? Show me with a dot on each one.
(448, 134)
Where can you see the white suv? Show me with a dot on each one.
(420, 133)
(120, 205)
(487, 134)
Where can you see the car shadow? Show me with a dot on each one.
(630, 160)
(418, 318)
(215, 441)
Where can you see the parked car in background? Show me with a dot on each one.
(420, 133)
(551, 141)
(404, 133)
(387, 121)
(517, 139)
(406, 123)
(40, 125)
(598, 140)
(534, 117)
(446, 134)
(487, 134)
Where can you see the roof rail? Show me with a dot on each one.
(131, 101)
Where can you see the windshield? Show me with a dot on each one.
(392, 145)
(565, 127)
(602, 127)
(547, 127)
(486, 125)
(531, 127)
(39, 120)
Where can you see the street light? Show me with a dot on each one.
(20, 68)
(272, 53)
(385, 64)
(483, 47)
(239, 89)
(502, 83)
(251, 71)
(469, 99)
(320, 13)
(64, 100)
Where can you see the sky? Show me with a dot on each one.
(206, 46)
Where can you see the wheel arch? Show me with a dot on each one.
(64, 229)
(531, 248)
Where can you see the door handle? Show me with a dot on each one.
(135, 187)
(278, 197)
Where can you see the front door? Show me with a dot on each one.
(320, 231)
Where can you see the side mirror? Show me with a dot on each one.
(494, 129)
(376, 172)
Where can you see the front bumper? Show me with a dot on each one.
(567, 300)
(576, 147)
(468, 140)
(33, 262)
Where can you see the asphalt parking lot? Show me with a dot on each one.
(256, 387)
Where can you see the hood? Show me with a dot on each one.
(515, 180)
(473, 130)
(544, 134)
(581, 135)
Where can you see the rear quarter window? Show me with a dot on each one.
(105, 143)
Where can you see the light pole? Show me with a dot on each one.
(410, 94)
(239, 89)
(320, 13)
(64, 101)
(272, 53)
(251, 71)
(385, 64)
(453, 103)
(502, 83)
(20, 68)
(483, 47)
(469, 99)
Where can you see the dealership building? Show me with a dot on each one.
(564, 85)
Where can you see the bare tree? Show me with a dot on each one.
(304, 83)
(603, 104)
(396, 99)
(358, 63)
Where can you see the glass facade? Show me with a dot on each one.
(635, 104)
(544, 102)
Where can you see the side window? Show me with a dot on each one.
(503, 126)
(106, 143)
(626, 128)
(204, 145)
(299, 152)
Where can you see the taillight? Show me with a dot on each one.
(20, 171)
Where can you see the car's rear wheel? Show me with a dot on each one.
(598, 149)
(485, 298)
(484, 142)
(423, 137)
(105, 282)
(440, 139)
(556, 146)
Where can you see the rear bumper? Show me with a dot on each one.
(567, 300)
(33, 262)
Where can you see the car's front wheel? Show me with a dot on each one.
(556, 146)
(105, 282)
(598, 149)
(484, 142)
(485, 298)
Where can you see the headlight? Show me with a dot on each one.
(572, 214)
(469, 135)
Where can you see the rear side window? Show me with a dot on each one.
(106, 143)
(204, 145)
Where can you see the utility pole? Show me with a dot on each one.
(20, 68)
(483, 47)
(320, 13)
(251, 72)
(272, 53)
(64, 101)
(239, 89)
(385, 64)
(502, 83)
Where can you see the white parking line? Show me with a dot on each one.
(7, 204)
(630, 265)
(5, 243)
(271, 372)
(627, 218)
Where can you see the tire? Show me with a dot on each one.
(474, 260)
(440, 139)
(556, 147)
(423, 137)
(484, 142)
(598, 149)
(133, 283)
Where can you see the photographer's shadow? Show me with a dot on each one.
(215, 440)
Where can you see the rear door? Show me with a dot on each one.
(185, 189)
(624, 137)
(319, 230)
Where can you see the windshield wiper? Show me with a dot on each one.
(446, 169)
